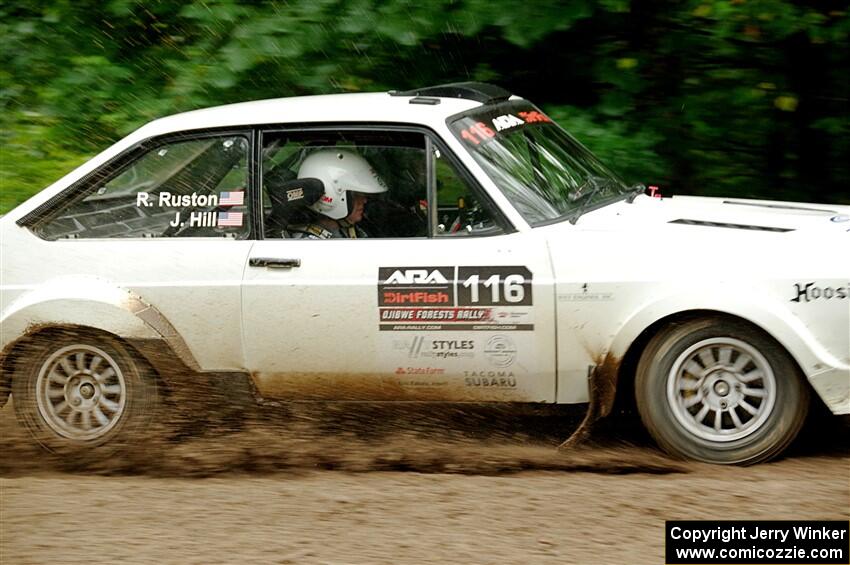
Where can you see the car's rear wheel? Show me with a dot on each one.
(720, 391)
(80, 391)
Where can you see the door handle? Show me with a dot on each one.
(274, 263)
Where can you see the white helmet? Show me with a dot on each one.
(341, 171)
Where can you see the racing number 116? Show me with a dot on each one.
(489, 286)
(514, 292)
(479, 129)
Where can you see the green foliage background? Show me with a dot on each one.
(736, 97)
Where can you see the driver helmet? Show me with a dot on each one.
(341, 171)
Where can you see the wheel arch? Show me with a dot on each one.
(624, 399)
(87, 305)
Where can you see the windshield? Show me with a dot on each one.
(543, 170)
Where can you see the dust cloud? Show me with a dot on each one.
(353, 437)
(333, 484)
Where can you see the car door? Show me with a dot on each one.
(168, 223)
(443, 300)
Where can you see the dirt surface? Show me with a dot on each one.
(366, 484)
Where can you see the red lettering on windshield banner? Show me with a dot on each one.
(478, 129)
(533, 116)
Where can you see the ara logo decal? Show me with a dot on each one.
(506, 121)
(417, 276)
(454, 298)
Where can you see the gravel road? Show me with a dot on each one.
(330, 486)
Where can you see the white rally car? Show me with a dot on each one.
(503, 263)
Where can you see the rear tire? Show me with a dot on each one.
(80, 392)
(720, 391)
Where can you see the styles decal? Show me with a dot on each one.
(424, 347)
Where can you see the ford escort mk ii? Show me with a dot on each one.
(449, 244)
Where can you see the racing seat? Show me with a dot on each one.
(289, 198)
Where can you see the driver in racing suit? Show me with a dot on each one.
(348, 181)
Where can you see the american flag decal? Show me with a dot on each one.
(231, 198)
(229, 219)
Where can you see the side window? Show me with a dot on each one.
(346, 184)
(194, 188)
(460, 211)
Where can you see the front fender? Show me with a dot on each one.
(827, 374)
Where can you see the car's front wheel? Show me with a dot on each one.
(720, 391)
(78, 391)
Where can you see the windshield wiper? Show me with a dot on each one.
(586, 192)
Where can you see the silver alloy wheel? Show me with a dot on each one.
(721, 389)
(81, 392)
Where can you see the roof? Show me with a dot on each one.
(362, 107)
(378, 107)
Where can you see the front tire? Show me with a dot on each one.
(79, 392)
(720, 391)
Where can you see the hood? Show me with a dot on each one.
(730, 215)
(696, 240)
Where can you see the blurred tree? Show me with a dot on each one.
(734, 97)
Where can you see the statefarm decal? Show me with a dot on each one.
(454, 298)
(194, 201)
